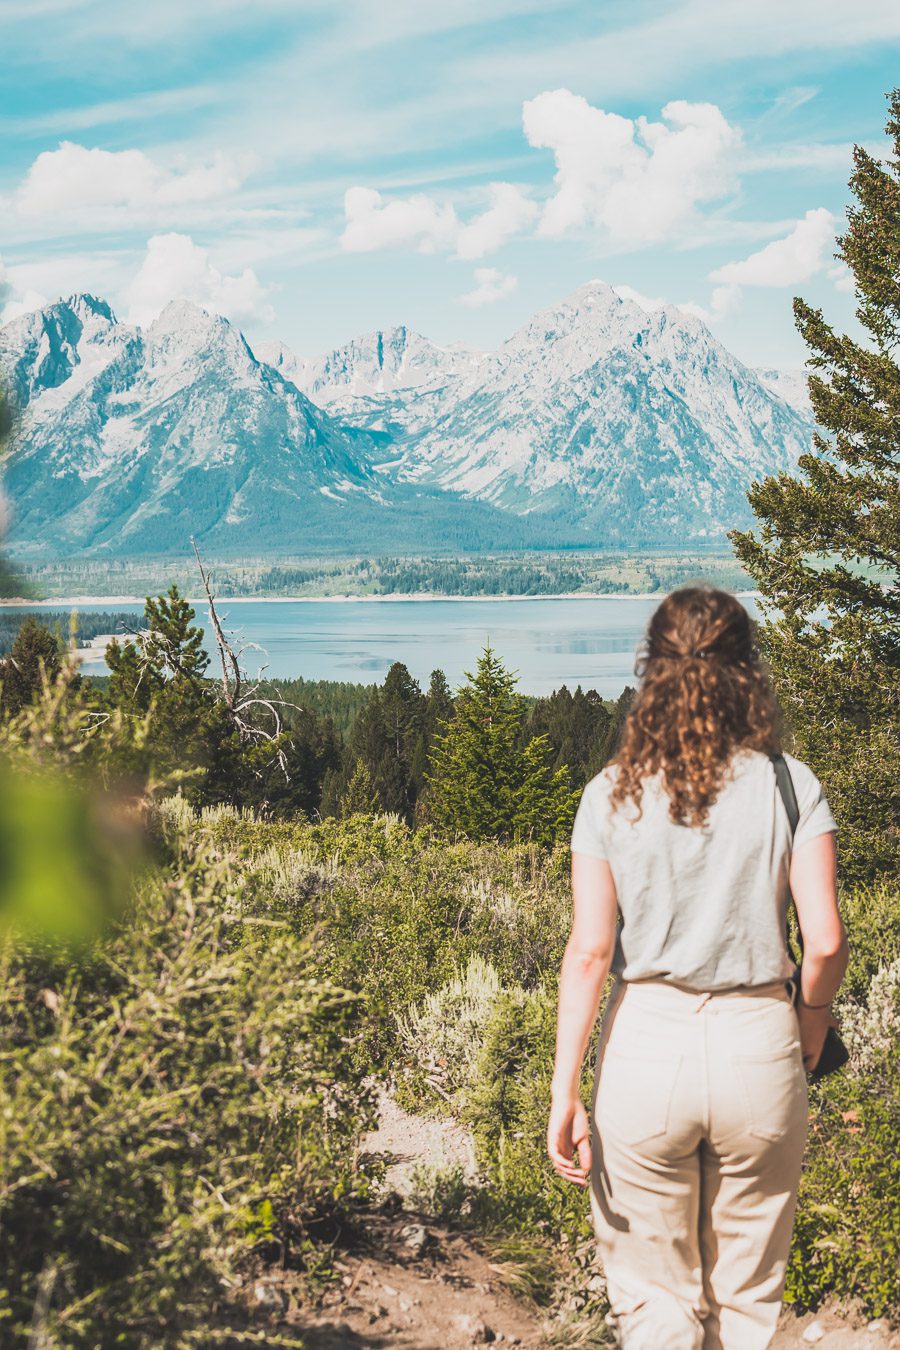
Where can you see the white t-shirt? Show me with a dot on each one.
(703, 905)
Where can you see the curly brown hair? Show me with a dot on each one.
(704, 693)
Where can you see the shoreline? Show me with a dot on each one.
(413, 597)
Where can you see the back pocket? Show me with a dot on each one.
(773, 1088)
(634, 1096)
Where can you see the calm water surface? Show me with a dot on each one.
(549, 642)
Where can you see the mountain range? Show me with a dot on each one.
(597, 423)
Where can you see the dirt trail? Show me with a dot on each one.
(421, 1287)
(418, 1285)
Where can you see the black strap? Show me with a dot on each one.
(786, 788)
(789, 797)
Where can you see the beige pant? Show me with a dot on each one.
(700, 1119)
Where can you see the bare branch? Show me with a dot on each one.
(239, 695)
(231, 670)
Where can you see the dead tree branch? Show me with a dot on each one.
(238, 695)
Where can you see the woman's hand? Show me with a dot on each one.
(585, 966)
(569, 1132)
(814, 1024)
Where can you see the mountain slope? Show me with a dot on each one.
(376, 364)
(627, 423)
(790, 385)
(596, 423)
(130, 442)
(135, 440)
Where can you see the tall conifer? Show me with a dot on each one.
(482, 782)
(826, 557)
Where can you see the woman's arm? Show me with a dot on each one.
(585, 967)
(813, 879)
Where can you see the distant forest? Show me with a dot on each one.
(604, 573)
(87, 625)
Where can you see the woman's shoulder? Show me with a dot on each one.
(600, 784)
(807, 787)
(761, 761)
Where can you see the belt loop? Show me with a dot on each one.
(703, 1000)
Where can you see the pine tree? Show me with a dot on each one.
(384, 737)
(482, 782)
(360, 796)
(827, 556)
(438, 704)
(35, 655)
(311, 750)
(438, 709)
(621, 709)
(190, 734)
(577, 726)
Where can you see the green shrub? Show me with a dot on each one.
(169, 1107)
(871, 914)
(847, 1232)
(399, 911)
(870, 1030)
(507, 1112)
(441, 1038)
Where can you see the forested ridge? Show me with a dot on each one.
(535, 573)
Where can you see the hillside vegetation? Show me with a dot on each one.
(190, 1043)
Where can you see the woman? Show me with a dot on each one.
(699, 1108)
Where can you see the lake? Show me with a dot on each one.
(550, 642)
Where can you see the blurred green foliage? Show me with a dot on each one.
(176, 1103)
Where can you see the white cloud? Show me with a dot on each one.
(723, 301)
(491, 285)
(74, 177)
(413, 222)
(14, 298)
(786, 261)
(646, 302)
(421, 223)
(630, 48)
(509, 213)
(638, 181)
(842, 278)
(174, 267)
(794, 97)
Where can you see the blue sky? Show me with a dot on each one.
(316, 170)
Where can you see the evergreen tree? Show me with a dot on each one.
(360, 796)
(577, 727)
(438, 704)
(827, 555)
(385, 737)
(35, 655)
(620, 710)
(311, 749)
(402, 706)
(482, 782)
(190, 735)
(438, 709)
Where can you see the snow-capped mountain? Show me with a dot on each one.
(392, 382)
(381, 363)
(635, 424)
(288, 364)
(134, 440)
(791, 385)
(596, 423)
(128, 441)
